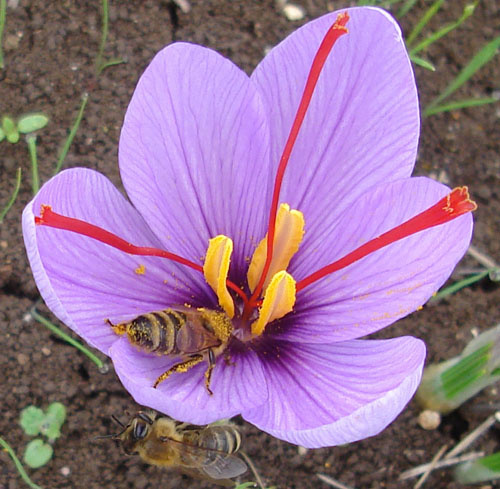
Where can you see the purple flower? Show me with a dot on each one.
(199, 156)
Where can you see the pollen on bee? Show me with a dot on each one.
(140, 270)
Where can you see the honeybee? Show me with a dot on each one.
(194, 334)
(206, 452)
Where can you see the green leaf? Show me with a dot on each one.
(10, 129)
(468, 11)
(54, 419)
(491, 462)
(466, 371)
(245, 485)
(408, 5)
(430, 12)
(31, 420)
(37, 453)
(477, 62)
(422, 62)
(459, 104)
(31, 122)
(2, 134)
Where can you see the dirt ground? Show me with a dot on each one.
(50, 51)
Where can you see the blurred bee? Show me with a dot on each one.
(194, 334)
(205, 452)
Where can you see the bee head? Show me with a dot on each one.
(136, 431)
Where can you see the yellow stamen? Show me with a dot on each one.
(216, 268)
(287, 238)
(279, 300)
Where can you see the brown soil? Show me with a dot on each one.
(50, 50)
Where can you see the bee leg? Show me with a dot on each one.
(119, 328)
(208, 372)
(179, 367)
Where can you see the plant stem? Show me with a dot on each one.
(35, 180)
(13, 197)
(18, 464)
(38, 317)
(3, 9)
(71, 134)
(104, 36)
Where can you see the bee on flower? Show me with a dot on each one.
(279, 204)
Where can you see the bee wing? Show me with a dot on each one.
(215, 464)
(225, 467)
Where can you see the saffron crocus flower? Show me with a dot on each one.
(283, 200)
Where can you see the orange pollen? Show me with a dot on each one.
(455, 204)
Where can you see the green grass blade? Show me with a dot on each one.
(491, 462)
(18, 464)
(3, 9)
(111, 62)
(477, 62)
(13, 196)
(459, 285)
(468, 11)
(422, 62)
(430, 12)
(408, 5)
(35, 179)
(38, 317)
(459, 104)
(104, 35)
(71, 135)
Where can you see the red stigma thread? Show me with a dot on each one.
(51, 219)
(334, 32)
(448, 208)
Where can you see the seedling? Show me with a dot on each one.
(479, 470)
(447, 385)
(34, 422)
(100, 63)
(26, 124)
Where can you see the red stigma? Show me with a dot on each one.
(51, 219)
(334, 32)
(448, 208)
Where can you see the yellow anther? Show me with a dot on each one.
(216, 268)
(287, 238)
(279, 300)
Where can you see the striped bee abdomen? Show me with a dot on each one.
(224, 439)
(155, 331)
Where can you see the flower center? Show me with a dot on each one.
(267, 270)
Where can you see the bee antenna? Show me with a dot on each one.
(117, 421)
(102, 437)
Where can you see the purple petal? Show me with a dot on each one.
(330, 394)
(385, 285)
(362, 125)
(194, 152)
(85, 282)
(183, 396)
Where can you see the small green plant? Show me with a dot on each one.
(479, 470)
(447, 385)
(101, 65)
(26, 124)
(34, 422)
